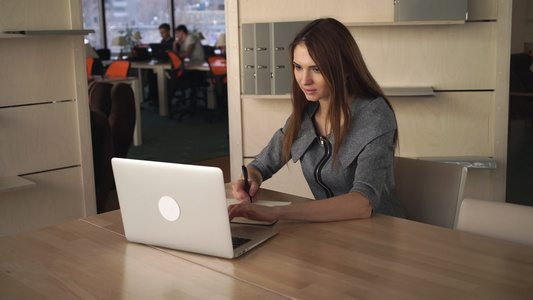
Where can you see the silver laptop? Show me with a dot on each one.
(181, 207)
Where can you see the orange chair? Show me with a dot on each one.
(183, 80)
(89, 62)
(217, 65)
(118, 68)
(177, 64)
(176, 82)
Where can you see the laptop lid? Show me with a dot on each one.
(179, 206)
(141, 54)
(159, 52)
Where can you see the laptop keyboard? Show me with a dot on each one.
(238, 241)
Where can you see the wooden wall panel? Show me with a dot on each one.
(35, 14)
(478, 184)
(445, 57)
(345, 11)
(54, 199)
(450, 124)
(283, 10)
(261, 118)
(35, 75)
(38, 137)
(483, 9)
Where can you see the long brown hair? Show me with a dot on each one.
(335, 52)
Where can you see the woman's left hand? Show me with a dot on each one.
(252, 212)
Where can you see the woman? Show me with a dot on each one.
(342, 129)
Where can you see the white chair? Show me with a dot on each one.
(506, 221)
(430, 192)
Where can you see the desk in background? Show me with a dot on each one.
(382, 258)
(160, 69)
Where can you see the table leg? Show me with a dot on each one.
(162, 89)
(137, 95)
(211, 96)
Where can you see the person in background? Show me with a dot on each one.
(188, 46)
(166, 37)
(342, 130)
(168, 41)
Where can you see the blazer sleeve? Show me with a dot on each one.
(268, 161)
(373, 169)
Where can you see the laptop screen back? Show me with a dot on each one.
(174, 205)
(159, 52)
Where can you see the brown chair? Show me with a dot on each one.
(118, 68)
(112, 123)
(430, 192)
(100, 97)
(102, 145)
(122, 118)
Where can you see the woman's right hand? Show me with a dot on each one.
(240, 193)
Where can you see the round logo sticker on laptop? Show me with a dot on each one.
(169, 208)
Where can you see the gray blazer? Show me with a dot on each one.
(364, 163)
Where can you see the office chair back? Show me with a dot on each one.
(430, 192)
(177, 64)
(218, 67)
(100, 97)
(208, 51)
(102, 145)
(113, 123)
(118, 68)
(506, 221)
(89, 62)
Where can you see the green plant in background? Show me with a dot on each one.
(128, 34)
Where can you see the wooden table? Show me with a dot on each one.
(78, 260)
(378, 258)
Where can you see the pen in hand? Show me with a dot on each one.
(246, 183)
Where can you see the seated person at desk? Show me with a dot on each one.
(166, 38)
(188, 46)
(342, 129)
(167, 41)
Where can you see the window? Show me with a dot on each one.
(125, 17)
(204, 17)
(91, 20)
(145, 16)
